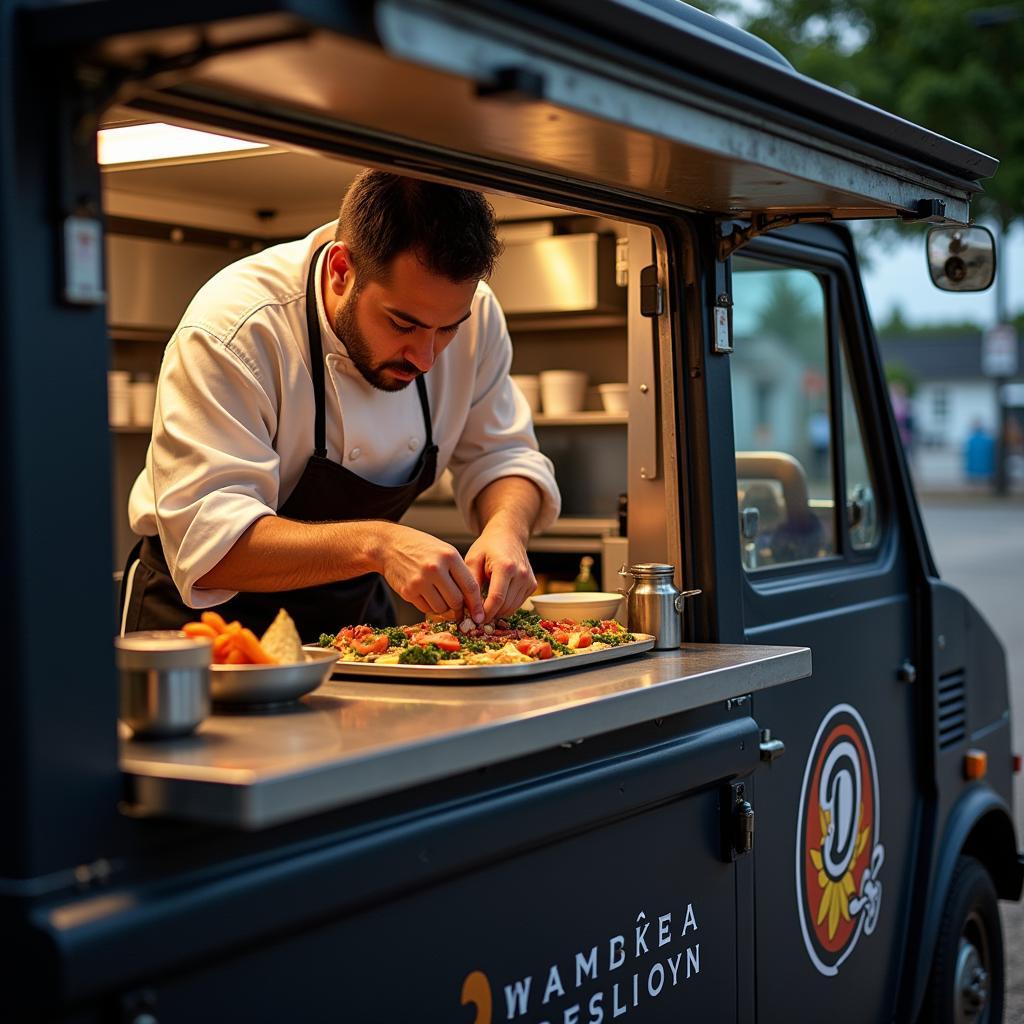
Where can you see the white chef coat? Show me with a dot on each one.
(233, 425)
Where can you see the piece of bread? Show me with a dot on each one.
(281, 641)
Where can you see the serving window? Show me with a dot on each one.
(568, 284)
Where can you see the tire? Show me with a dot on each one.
(967, 976)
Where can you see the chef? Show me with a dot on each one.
(309, 394)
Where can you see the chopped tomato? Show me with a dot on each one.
(560, 635)
(548, 624)
(540, 649)
(370, 644)
(585, 639)
(611, 624)
(444, 640)
(353, 631)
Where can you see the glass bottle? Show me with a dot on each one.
(585, 580)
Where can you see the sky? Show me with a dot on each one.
(896, 274)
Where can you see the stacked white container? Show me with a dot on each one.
(143, 400)
(119, 401)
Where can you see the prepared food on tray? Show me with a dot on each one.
(233, 644)
(522, 637)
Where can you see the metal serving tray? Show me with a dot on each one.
(453, 675)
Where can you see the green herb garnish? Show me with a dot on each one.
(613, 639)
(326, 640)
(418, 655)
(522, 619)
(396, 636)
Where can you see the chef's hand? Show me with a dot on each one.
(498, 561)
(427, 573)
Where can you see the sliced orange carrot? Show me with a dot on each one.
(237, 657)
(222, 645)
(253, 649)
(215, 621)
(199, 629)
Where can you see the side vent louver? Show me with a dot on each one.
(951, 712)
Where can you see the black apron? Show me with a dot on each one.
(326, 492)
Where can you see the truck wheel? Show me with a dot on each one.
(966, 984)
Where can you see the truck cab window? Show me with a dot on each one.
(781, 415)
(860, 490)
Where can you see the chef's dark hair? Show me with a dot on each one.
(452, 230)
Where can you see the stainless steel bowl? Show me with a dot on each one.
(271, 684)
(165, 682)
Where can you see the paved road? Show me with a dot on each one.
(979, 547)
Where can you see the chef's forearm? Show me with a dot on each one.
(282, 554)
(511, 502)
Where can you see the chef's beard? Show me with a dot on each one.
(346, 327)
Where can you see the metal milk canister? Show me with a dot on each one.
(653, 604)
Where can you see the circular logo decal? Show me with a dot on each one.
(838, 853)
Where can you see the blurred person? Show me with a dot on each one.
(903, 412)
(819, 434)
(979, 454)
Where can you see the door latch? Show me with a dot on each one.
(737, 822)
(652, 299)
(907, 672)
(771, 748)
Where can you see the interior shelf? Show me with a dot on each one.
(595, 418)
(524, 322)
(159, 335)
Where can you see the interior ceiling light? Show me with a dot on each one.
(142, 143)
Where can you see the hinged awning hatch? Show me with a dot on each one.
(622, 96)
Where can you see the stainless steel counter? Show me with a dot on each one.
(350, 741)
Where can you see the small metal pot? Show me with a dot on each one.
(653, 604)
(165, 682)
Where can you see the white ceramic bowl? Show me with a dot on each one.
(577, 605)
(562, 392)
(529, 384)
(614, 397)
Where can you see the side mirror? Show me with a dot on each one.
(961, 259)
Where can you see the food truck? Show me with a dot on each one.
(802, 813)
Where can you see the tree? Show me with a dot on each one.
(949, 65)
(791, 315)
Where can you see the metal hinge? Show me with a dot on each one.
(652, 299)
(737, 822)
(761, 224)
